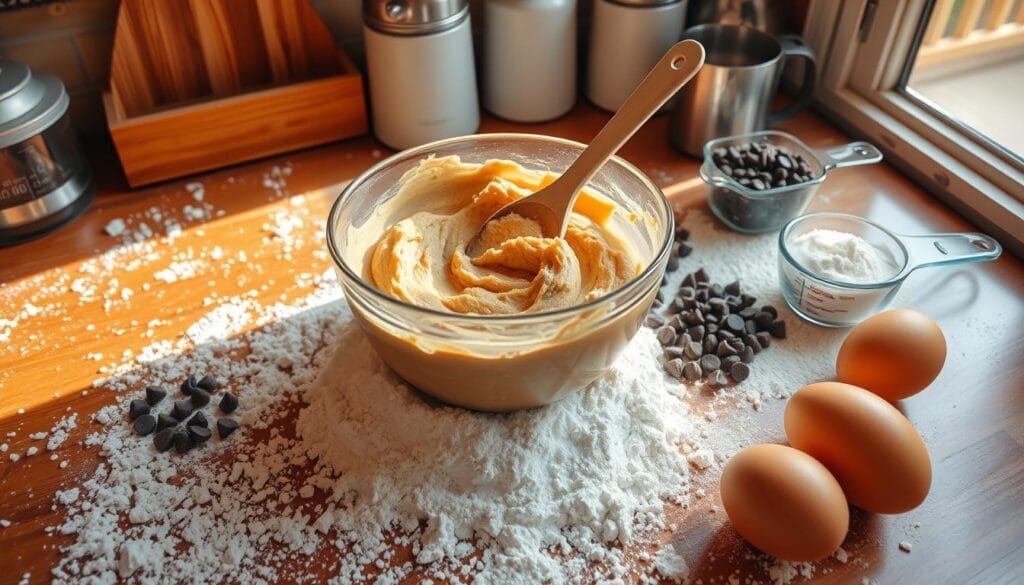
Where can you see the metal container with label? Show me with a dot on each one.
(44, 179)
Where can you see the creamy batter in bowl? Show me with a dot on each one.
(532, 354)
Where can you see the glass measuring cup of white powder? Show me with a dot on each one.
(837, 269)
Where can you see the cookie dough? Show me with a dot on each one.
(440, 205)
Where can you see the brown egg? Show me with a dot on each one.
(784, 502)
(869, 446)
(894, 354)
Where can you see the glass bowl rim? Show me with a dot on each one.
(899, 277)
(424, 150)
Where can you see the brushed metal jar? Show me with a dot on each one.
(45, 181)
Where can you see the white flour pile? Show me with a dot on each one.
(843, 256)
(337, 461)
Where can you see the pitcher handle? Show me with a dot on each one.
(793, 46)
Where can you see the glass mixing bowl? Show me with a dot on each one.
(502, 363)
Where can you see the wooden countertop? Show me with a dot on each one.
(971, 528)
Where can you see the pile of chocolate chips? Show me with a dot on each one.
(712, 331)
(168, 426)
(760, 165)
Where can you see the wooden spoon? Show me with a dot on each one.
(552, 205)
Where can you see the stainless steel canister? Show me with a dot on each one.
(732, 94)
(44, 179)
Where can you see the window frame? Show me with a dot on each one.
(865, 46)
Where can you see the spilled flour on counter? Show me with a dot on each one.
(339, 467)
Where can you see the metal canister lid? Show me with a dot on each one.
(29, 103)
(414, 17)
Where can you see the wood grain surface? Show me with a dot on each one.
(970, 529)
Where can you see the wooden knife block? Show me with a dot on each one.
(201, 84)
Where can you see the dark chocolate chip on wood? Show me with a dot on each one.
(154, 394)
(710, 362)
(226, 426)
(200, 398)
(189, 384)
(763, 320)
(163, 439)
(209, 383)
(198, 435)
(654, 321)
(740, 371)
(747, 355)
(666, 335)
(182, 442)
(228, 403)
(198, 420)
(735, 324)
(778, 330)
(728, 361)
(674, 368)
(165, 421)
(182, 408)
(144, 425)
(764, 339)
(137, 408)
(771, 311)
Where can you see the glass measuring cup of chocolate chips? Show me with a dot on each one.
(757, 182)
(839, 293)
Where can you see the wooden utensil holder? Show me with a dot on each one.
(187, 95)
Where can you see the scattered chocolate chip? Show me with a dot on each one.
(763, 320)
(673, 264)
(733, 287)
(752, 343)
(672, 352)
(747, 300)
(747, 355)
(209, 383)
(692, 371)
(764, 339)
(685, 249)
(718, 306)
(228, 403)
(717, 379)
(165, 421)
(771, 311)
(696, 333)
(189, 384)
(226, 426)
(200, 398)
(154, 394)
(137, 408)
(182, 443)
(654, 321)
(674, 368)
(778, 330)
(163, 439)
(692, 350)
(666, 335)
(198, 435)
(710, 362)
(144, 425)
(735, 324)
(728, 361)
(725, 349)
(198, 420)
(701, 276)
(182, 408)
(689, 281)
(739, 371)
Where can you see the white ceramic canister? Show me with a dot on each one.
(530, 58)
(627, 37)
(419, 59)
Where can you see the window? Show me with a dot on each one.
(937, 85)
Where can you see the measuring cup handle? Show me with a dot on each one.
(850, 155)
(957, 248)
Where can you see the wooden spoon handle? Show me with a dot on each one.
(672, 71)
